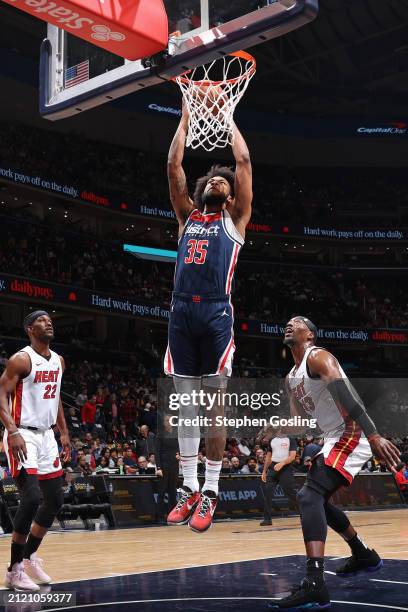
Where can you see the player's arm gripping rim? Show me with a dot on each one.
(325, 366)
(181, 201)
(240, 208)
(18, 367)
(62, 427)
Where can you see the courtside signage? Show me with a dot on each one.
(38, 291)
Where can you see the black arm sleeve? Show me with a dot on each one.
(341, 393)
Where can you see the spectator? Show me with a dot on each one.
(121, 466)
(149, 416)
(83, 467)
(401, 480)
(82, 397)
(107, 455)
(152, 461)
(88, 413)
(102, 466)
(142, 465)
(250, 467)
(129, 461)
(260, 458)
(145, 443)
(235, 466)
(226, 466)
(128, 413)
(73, 422)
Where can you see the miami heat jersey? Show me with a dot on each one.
(36, 398)
(207, 255)
(317, 401)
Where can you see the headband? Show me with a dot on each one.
(30, 318)
(308, 324)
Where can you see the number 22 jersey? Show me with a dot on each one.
(36, 398)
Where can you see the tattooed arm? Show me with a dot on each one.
(181, 201)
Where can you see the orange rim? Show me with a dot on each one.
(248, 73)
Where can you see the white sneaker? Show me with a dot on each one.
(17, 579)
(33, 568)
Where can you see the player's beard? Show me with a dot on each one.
(289, 342)
(213, 200)
(46, 338)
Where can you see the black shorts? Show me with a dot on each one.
(324, 479)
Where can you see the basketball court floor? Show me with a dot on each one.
(236, 565)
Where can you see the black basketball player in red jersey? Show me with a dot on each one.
(201, 335)
(318, 387)
(30, 405)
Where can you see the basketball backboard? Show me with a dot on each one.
(76, 75)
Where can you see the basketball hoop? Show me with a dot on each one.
(211, 94)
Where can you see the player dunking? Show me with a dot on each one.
(32, 382)
(317, 386)
(201, 341)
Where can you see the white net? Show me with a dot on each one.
(211, 94)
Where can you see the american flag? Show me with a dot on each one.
(77, 74)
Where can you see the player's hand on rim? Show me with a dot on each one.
(384, 449)
(18, 447)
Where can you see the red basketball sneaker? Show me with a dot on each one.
(203, 514)
(184, 508)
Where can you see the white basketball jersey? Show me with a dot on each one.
(36, 398)
(316, 400)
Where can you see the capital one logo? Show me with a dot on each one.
(103, 33)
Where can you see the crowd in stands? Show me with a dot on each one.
(330, 196)
(112, 415)
(273, 292)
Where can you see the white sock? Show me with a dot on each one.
(188, 458)
(212, 475)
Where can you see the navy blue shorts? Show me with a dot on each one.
(201, 338)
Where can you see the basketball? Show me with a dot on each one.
(211, 96)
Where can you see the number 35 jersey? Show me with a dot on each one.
(207, 255)
(36, 398)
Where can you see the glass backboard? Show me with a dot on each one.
(76, 75)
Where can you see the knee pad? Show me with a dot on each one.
(312, 511)
(52, 502)
(307, 497)
(29, 503)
